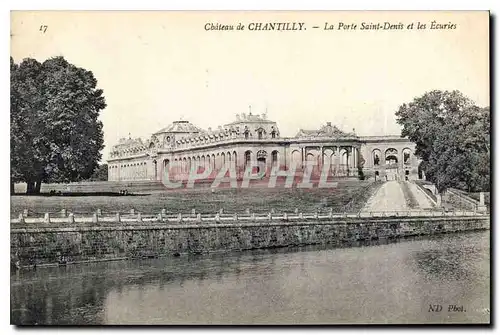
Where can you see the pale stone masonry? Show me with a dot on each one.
(254, 139)
(66, 244)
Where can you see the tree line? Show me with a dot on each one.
(452, 136)
(55, 134)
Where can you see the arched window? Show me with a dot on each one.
(248, 157)
(406, 156)
(376, 157)
(296, 159)
(274, 158)
(391, 156)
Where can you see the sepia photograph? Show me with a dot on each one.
(250, 168)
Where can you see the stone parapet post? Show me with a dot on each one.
(481, 207)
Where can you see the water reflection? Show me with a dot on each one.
(447, 263)
(392, 283)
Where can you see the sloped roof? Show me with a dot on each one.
(126, 142)
(325, 131)
(180, 127)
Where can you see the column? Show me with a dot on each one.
(322, 153)
(349, 161)
(155, 168)
(353, 154)
(282, 159)
(355, 157)
(218, 161)
(178, 169)
(174, 168)
(302, 159)
(337, 160)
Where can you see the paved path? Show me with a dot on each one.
(423, 201)
(389, 197)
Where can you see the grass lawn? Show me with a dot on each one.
(349, 196)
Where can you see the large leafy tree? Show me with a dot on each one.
(100, 173)
(452, 137)
(26, 102)
(55, 132)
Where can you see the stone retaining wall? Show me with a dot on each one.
(66, 244)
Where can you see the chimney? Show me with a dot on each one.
(329, 124)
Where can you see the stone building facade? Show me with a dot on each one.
(254, 140)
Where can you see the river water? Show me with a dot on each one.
(384, 283)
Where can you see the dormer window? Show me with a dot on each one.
(260, 134)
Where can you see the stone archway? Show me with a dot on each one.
(166, 168)
(311, 164)
(296, 159)
(406, 156)
(261, 161)
(343, 162)
(376, 157)
(328, 160)
(274, 158)
(248, 158)
(391, 164)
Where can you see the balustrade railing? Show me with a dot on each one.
(132, 216)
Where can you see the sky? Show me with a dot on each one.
(157, 67)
